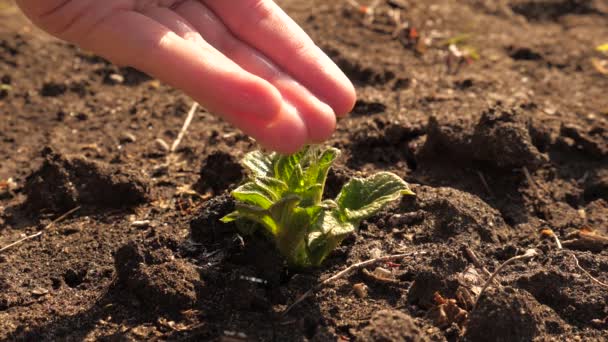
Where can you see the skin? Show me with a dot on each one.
(245, 60)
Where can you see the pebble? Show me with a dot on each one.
(127, 138)
(39, 292)
(582, 214)
(383, 273)
(361, 290)
(141, 224)
(117, 78)
(405, 219)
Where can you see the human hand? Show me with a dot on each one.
(245, 60)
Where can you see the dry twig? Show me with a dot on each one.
(531, 181)
(473, 257)
(485, 184)
(530, 253)
(187, 123)
(29, 237)
(576, 262)
(347, 271)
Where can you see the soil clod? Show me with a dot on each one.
(62, 183)
(391, 325)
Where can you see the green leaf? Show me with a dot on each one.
(282, 210)
(293, 222)
(285, 166)
(327, 234)
(316, 173)
(233, 216)
(256, 214)
(258, 163)
(261, 192)
(362, 198)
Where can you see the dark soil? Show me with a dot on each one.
(496, 148)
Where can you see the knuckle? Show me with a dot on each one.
(258, 11)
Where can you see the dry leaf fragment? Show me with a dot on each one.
(586, 239)
(601, 65)
(447, 312)
(381, 275)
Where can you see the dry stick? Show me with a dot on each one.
(476, 261)
(29, 237)
(530, 253)
(20, 241)
(348, 270)
(595, 280)
(531, 181)
(485, 184)
(182, 133)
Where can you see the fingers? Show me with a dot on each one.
(243, 99)
(177, 24)
(36, 8)
(318, 116)
(261, 23)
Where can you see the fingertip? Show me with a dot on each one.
(344, 99)
(286, 134)
(321, 125)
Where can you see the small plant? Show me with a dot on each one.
(284, 196)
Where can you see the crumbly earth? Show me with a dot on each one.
(497, 149)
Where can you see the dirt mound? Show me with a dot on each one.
(507, 315)
(566, 290)
(157, 278)
(449, 212)
(501, 138)
(391, 325)
(549, 10)
(220, 171)
(207, 225)
(62, 183)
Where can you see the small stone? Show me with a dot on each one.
(361, 290)
(116, 78)
(582, 214)
(599, 323)
(383, 273)
(405, 219)
(141, 224)
(39, 292)
(127, 138)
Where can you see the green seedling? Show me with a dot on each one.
(283, 197)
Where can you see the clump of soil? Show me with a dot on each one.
(590, 141)
(596, 185)
(219, 172)
(501, 138)
(449, 212)
(62, 183)
(506, 315)
(207, 226)
(157, 278)
(391, 325)
(565, 289)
